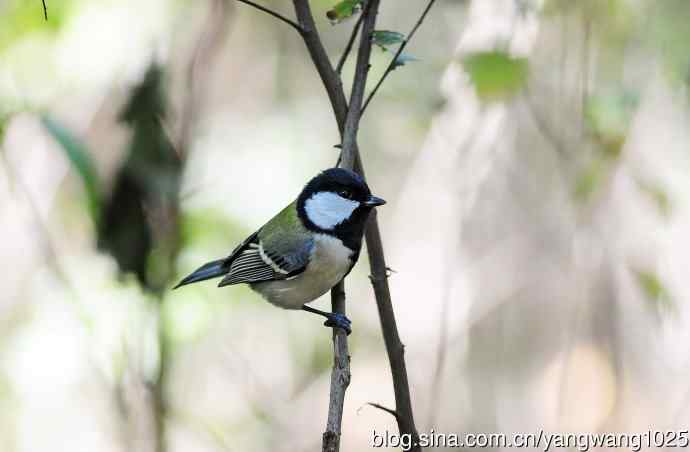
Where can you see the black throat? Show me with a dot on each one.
(350, 232)
(349, 185)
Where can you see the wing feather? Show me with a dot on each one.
(278, 251)
(252, 265)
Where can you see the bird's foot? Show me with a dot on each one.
(334, 319)
(337, 320)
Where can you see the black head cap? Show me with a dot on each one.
(338, 180)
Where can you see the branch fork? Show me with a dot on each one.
(348, 115)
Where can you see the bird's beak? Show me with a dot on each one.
(374, 201)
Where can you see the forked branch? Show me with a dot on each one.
(348, 124)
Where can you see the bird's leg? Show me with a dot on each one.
(333, 319)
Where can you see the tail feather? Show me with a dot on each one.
(213, 269)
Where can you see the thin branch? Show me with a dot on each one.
(340, 374)
(392, 65)
(348, 47)
(274, 14)
(394, 347)
(329, 78)
(348, 154)
(340, 377)
(340, 380)
(45, 10)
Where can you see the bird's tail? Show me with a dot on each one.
(210, 270)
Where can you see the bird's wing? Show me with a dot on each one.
(279, 250)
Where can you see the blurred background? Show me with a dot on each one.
(535, 157)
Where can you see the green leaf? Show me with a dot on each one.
(385, 38)
(78, 155)
(608, 119)
(402, 59)
(343, 10)
(654, 290)
(21, 18)
(140, 217)
(496, 75)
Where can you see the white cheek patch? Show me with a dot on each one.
(327, 210)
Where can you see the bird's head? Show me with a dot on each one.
(336, 202)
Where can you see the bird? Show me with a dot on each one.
(304, 250)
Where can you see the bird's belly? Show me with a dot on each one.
(329, 263)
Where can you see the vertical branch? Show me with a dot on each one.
(329, 78)
(340, 377)
(389, 327)
(348, 46)
(350, 156)
(340, 374)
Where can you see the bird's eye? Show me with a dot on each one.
(347, 194)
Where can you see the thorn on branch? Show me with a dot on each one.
(389, 272)
(383, 408)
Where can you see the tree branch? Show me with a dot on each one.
(393, 64)
(340, 375)
(348, 47)
(383, 408)
(348, 153)
(389, 327)
(274, 14)
(45, 10)
(329, 78)
(394, 347)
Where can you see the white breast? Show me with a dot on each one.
(330, 261)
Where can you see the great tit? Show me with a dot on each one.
(306, 249)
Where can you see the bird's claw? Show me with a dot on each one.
(337, 320)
